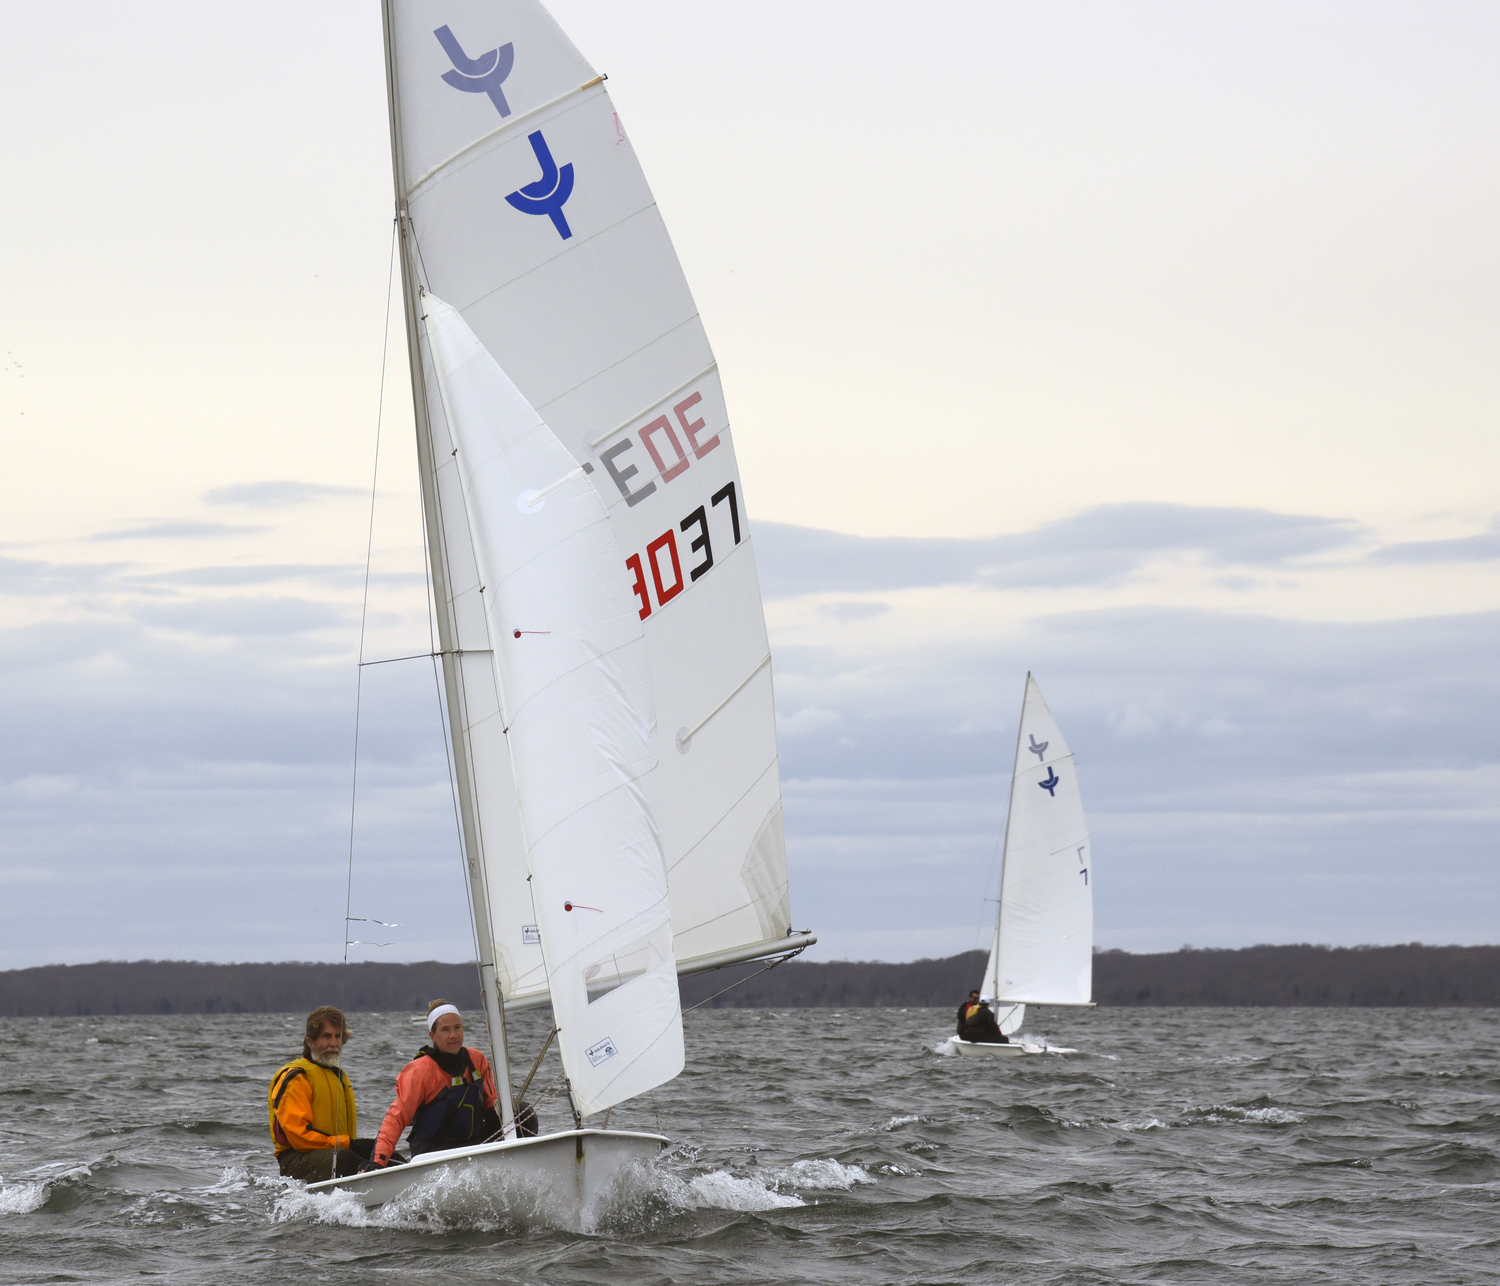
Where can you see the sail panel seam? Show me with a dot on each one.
(504, 128)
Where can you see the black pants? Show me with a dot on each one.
(325, 1163)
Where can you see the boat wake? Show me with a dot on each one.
(488, 1201)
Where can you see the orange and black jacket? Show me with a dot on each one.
(311, 1107)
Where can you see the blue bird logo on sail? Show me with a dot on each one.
(482, 75)
(549, 193)
(1038, 748)
(1050, 782)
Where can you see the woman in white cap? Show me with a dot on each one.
(446, 1093)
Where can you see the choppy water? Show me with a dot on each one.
(1229, 1146)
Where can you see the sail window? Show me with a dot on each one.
(629, 962)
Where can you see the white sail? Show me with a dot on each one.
(526, 210)
(1044, 935)
(575, 696)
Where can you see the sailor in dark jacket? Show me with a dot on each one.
(963, 1010)
(981, 1027)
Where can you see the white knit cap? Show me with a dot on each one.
(439, 1012)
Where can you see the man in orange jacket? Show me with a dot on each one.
(311, 1106)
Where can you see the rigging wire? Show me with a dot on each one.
(364, 614)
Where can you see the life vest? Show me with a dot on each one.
(456, 1116)
(332, 1099)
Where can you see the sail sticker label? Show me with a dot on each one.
(548, 194)
(531, 936)
(1050, 783)
(1038, 748)
(601, 1052)
(482, 75)
(665, 547)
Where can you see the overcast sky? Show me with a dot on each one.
(1149, 348)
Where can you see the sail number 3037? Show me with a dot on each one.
(665, 562)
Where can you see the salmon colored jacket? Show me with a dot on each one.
(418, 1083)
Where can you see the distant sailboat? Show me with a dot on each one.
(603, 645)
(1042, 951)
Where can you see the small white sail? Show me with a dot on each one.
(574, 687)
(525, 208)
(1044, 935)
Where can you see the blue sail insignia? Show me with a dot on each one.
(549, 193)
(482, 75)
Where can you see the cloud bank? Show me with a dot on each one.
(175, 781)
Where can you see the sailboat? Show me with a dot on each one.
(599, 621)
(1042, 951)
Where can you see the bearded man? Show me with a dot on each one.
(311, 1104)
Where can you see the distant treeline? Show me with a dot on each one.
(1292, 975)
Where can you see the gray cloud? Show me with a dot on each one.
(251, 574)
(39, 577)
(244, 618)
(1092, 548)
(276, 495)
(176, 531)
(1248, 778)
(1463, 549)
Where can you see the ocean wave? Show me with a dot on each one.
(28, 1195)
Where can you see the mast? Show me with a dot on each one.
(489, 987)
(993, 983)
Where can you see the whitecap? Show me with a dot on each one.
(820, 1175)
(896, 1122)
(21, 1198)
(721, 1190)
(1228, 1114)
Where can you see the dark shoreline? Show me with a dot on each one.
(1411, 975)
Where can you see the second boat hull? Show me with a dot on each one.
(982, 1049)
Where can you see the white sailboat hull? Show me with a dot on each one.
(976, 1049)
(562, 1175)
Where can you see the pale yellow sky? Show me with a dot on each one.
(966, 269)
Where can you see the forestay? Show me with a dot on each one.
(574, 689)
(1044, 935)
(526, 210)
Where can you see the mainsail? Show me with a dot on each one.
(522, 205)
(1044, 935)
